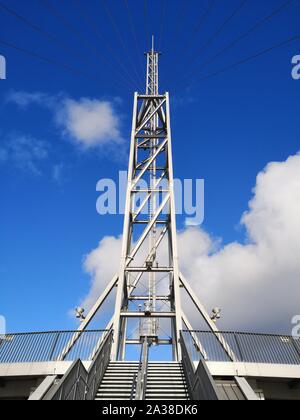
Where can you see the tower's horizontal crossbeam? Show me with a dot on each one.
(151, 97)
(147, 270)
(145, 222)
(150, 190)
(149, 137)
(159, 342)
(137, 314)
(144, 298)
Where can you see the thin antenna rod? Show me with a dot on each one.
(152, 70)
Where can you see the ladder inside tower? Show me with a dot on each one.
(151, 326)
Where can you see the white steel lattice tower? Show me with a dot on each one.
(152, 208)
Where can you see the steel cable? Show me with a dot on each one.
(232, 44)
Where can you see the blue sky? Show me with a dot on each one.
(225, 130)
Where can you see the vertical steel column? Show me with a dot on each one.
(122, 286)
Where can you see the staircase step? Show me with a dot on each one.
(155, 373)
(111, 399)
(119, 381)
(166, 391)
(165, 370)
(168, 374)
(167, 398)
(166, 386)
(113, 394)
(165, 376)
(169, 395)
(114, 397)
(123, 368)
(121, 374)
(166, 383)
(116, 386)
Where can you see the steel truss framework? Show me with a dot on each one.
(149, 223)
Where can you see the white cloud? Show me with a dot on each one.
(102, 264)
(23, 99)
(24, 152)
(88, 122)
(255, 283)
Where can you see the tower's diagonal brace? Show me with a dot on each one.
(212, 326)
(85, 323)
(194, 336)
(146, 107)
(161, 112)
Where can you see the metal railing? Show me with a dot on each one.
(79, 384)
(49, 346)
(133, 387)
(139, 386)
(245, 347)
(97, 369)
(200, 383)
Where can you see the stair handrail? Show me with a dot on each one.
(98, 368)
(79, 384)
(140, 379)
(200, 383)
(133, 388)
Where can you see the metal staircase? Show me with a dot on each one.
(165, 381)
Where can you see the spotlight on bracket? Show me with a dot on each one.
(148, 308)
(149, 264)
(79, 314)
(216, 314)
